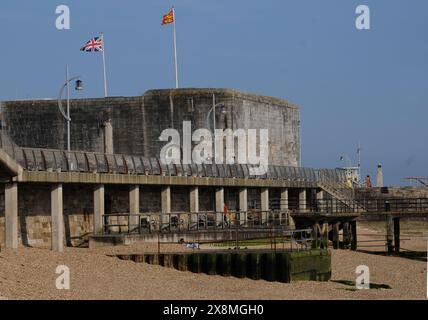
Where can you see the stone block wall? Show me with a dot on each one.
(34, 217)
(392, 192)
(138, 121)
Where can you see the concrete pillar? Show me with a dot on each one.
(108, 137)
(165, 206)
(194, 207)
(11, 215)
(302, 200)
(57, 219)
(134, 208)
(219, 205)
(99, 209)
(243, 206)
(194, 199)
(284, 199)
(320, 203)
(389, 234)
(283, 205)
(264, 196)
(397, 235)
(354, 242)
(336, 240)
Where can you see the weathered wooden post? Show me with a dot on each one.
(315, 236)
(336, 241)
(324, 240)
(354, 243)
(397, 235)
(346, 235)
(389, 234)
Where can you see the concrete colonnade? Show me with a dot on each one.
(57, 220)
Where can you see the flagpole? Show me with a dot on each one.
(104, 65)
(175, 52)
(68, 108)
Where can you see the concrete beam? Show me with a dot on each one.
(99, 209)
(219, 205)
(57, 219)
(134, 206)
(11, 215)
(243, 205)
(110, 178)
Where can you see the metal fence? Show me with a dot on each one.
(198, 221)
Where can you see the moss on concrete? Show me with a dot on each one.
(279, 266)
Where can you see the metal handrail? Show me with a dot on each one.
(194, 221)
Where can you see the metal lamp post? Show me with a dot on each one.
(347, 160)
(78, 87)
(213, 110)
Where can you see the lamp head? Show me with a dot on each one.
(223, 109)
(79, 85)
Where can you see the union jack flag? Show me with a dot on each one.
(95, 44)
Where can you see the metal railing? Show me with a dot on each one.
(193, 221)
(358, 206)
(215, 221)
(276, 238)
(338, 189)
(397, 205)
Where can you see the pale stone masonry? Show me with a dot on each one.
(132, 125)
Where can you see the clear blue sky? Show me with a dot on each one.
(351, 85)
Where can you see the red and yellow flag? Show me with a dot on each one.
(168, 18)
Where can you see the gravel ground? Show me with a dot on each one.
(29, 273)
